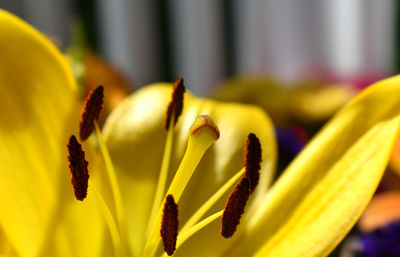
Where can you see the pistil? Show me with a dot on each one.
(201, 136)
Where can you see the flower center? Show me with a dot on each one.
(164, 213)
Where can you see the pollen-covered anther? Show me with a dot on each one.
(204, 123)
(91, 111)
(175, 107)
(169, 225)
(78, 167)
(234, 208)
(252, 160)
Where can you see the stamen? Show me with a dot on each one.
(196, 228)
(234, 208)
(175, 107)
(112, 178)
(174, 110)
(252, 160)
(169, 225)
(78, 167)
(91, 111)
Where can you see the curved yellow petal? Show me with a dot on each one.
(38, 112)
(6, 249)
(323, 192)
(81, 232)
(266, 92)
(308, 102)
(135, 138)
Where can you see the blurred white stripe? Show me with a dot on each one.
(343, 35)
(287, 38)
(129, 38)
(248, 40)
(272, 37)
(284, 32)
(290, 38)
(380, 35)
(197, 43)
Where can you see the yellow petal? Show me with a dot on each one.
(37, 109)
(135, 138)
(304, 101)
(315, 105)
(323, 192)
(81, 231)
(266, 92)
(6, 249)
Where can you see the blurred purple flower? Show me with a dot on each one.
(291, 141)
(383, 242)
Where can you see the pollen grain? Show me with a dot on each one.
(91, 111)
(252, 160)
(175, 107)
(169, 225)
(234, 208)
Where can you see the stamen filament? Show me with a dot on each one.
(162, 180)
(112, 178)
(111, 175)
(112, 226)
(211, 201)
(183, 236)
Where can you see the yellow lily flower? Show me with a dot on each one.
(306, 212)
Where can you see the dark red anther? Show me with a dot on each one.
(169, 225)
(252, 160)
(78, 167)
(91, 111)
(175, 107)
(234, 208)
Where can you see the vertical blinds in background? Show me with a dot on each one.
(205, 41)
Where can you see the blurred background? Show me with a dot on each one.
(300, 60)
(207, 41)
